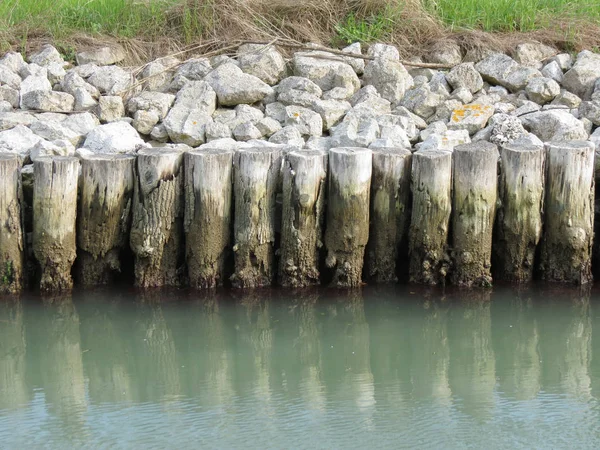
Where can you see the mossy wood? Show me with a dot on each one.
(431, 185)
(54, 216)
(104, 217)
(208, 215)
(347, 232)
(569, 212)
(257, 173)
(156, 237)
(390, 214)
(474, 197)
(12, 242)
(304, 185)
(518, 227)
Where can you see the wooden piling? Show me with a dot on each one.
(347, 233)
(208, 215)
(54, 215)
(257, 173)
(520, 213)
(12, 242)
(104, 217)
(304, 184)
(569, 212)
(156, 237)
(390, 213)
(431, 185)
(475, 193)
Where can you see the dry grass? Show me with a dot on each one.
(412, 25)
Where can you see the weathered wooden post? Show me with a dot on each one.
(431, 183)
(104, 217)
(475, 193)
(156, 237)
(208, 215)
(12, 242)
(347, 231)
(304, 177)
(257, 173)
(519, 218)
(569, 212)
(390, 213)
(54, 214)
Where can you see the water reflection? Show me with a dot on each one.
(251, 366)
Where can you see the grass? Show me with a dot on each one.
(410, 24)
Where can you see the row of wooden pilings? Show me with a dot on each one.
(292, 217)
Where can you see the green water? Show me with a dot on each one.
(393, 367)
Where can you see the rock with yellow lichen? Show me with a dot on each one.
(473, 117)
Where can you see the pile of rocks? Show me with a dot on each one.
(315, 100)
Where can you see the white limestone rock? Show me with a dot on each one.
(465, 76)
(582, 76)
(389, 77)
(327, 71)
(48, 101)
(264, 62)
(234, 87)
(103, 56)
(115, 137)
(556, 125)
(542, 90)
(306, 121)
(19, 140)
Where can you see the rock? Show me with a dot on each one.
(9, 78)
(110, 80)
(445, 141)
(470, 117)
(391, 136)
(295, 83)
(160, 103)
(405, 123)
(358, 64)
(55, 148)
(10, 95)
(276, 111)
(19, 140)
(532, 54)
(156, 77)
(268, 126)
(590, 111)
(307, 122)
(104, 56)
(505, 71)
(115, 137)
(439, 85)
(81, 123)
(13, 61)
(327, 71)
(85, 71)
(564, 61)
(46, 56)
(219, 60)
(55, 73)
(465, 76)
(296, 97)
(187, 119)
(5, 106)
(48, 101)
(215, 130)
(528, 139)
(288, 135)
(556, 125)
(246, 132)
(389, 77)
(505, 129)
(355, 133)
(526, 107)
(194, 69)
(445, 52)
(234, 87)
(52, 131)
(264, 62)
(433, 128)
(159, 133)
(383, 51)
(542, 90)
(145, 121)
(463, 95)
(404, 112)
(320, 143)
(422, 101)
(331, 111)
(10, 120)
(72, 81)
(241, 114)
(581, 78)
(552, 70)
(110, 108)
(83, 100)
(33, 83)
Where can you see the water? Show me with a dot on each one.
(394, 367)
